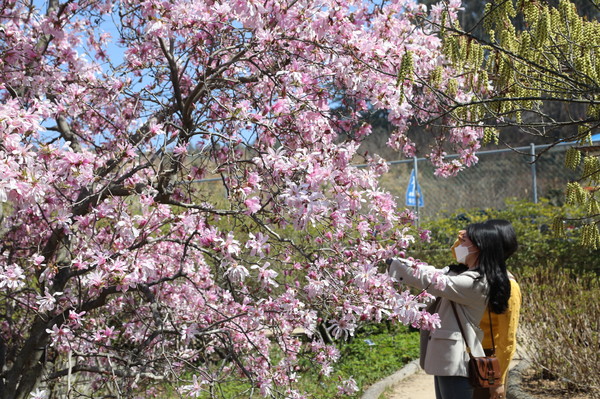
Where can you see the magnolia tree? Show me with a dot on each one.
(120, 266)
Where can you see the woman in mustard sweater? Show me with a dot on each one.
(504, 325)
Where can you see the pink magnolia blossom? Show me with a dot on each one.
(12, 277)
(47, 302)
(237, 272)
(258, 244)
(348, 387)
(253, 204)
(265, 275)
(195, 389)
(39, 394)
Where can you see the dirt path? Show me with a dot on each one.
(416, 386)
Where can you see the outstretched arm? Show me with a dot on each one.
(458, 288)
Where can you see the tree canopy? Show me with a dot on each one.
(120, 265)
(534, 67)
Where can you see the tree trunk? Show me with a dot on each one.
(26, 371)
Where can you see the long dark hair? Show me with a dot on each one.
(507, 234)
(491, 264)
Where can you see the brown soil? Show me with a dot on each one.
(540, 388)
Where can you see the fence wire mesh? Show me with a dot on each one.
(499, 175)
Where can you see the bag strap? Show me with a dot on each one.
(463, 333)
(461, 329)
(492, 332)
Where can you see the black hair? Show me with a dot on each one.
(491, 265)
(508, 235)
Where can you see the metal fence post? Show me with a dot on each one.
(417, 196)
(533, 174)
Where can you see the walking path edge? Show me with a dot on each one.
(514, 389)
(375, 390)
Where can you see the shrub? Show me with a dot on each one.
(560, 327)
(538, 246)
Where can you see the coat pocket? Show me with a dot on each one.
(447, 348)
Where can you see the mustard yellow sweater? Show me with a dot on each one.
(505, 329)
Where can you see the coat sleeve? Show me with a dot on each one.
(462, 288)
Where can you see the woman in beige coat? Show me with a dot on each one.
(484, 283)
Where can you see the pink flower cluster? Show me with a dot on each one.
(117, 257)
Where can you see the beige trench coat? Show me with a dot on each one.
(443, 351)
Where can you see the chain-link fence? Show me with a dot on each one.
(526, 173)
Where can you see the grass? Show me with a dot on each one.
(376, 352)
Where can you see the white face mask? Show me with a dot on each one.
(461, 252)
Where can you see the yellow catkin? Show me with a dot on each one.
(571, 194)
(483, 79)
(578, 63)
(487, 22)
(596, 62)
(577, 27)
(582, 195)
(589, 67)
(588, 34)
(572, 158)
(556, 19)
(558, 226)
(591, 168)
(541, 33)
(595, 237)
(531, 14)
(585, 138)
(588, 166)
(590, 237)
(525, 46)
(407, 65)
(518, 117)
(593, 111)
(399, 78)
(457, 57)
(503, 72)
(593, 208)
(478, 112)
(448, 45)
(490, 135)
(511, 12)
(563, 9)
(435, 77)
(595, 176)
(452, 87)
(480, 57)
(583, 133)
(405, 73)
(585, 235)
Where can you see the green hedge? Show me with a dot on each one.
(538, 246)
